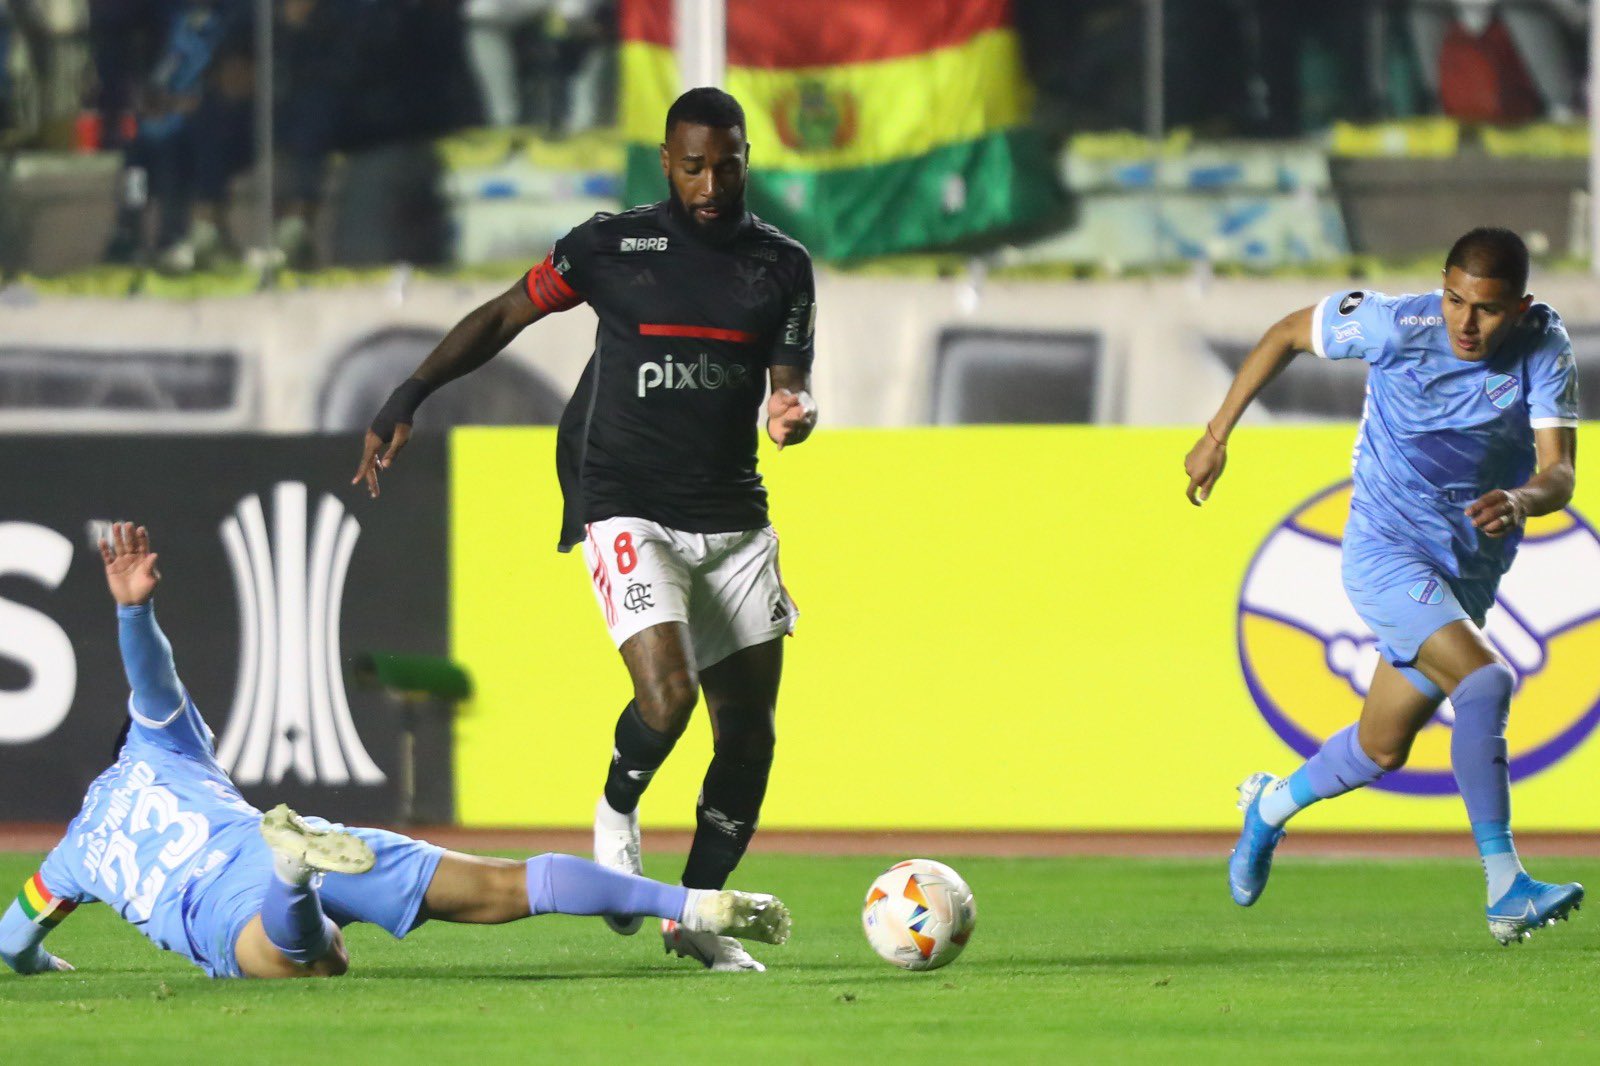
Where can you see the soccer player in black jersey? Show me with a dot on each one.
(701, 306)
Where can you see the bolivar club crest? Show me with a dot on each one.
(1308, 659)
(813, 117)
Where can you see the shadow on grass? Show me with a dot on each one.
(437, 973)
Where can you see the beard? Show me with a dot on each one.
(720, 230)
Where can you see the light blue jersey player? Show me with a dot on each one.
(166, 840)
(1469, 429)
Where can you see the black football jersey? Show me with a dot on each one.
(663, 423)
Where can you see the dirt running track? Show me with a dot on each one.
(36, 837)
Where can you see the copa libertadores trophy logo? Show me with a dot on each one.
(290, 711)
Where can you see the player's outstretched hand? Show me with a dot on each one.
(370, 461)
(1204, 465)
(1497, 513)
(131, 570)
(789, 417)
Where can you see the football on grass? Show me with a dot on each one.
(919, 914)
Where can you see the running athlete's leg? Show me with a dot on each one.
(1399, 704)
(660, 662)
(1454, 652)
(741, 697)
(1480, 686)
(1407, 604)
(1394, 713)
(1395, 710)
(1458, 659)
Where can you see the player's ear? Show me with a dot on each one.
(666, 161)
(1527, 302)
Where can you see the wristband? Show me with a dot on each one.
(400, 408)
(1219, 441)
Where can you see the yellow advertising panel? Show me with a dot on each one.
(1014, 628)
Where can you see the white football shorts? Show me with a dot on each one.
(725, 586)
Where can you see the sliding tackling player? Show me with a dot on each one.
(165, 839)
(1470, 428)
(701, 306)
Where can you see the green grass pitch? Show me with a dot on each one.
(1088, 960)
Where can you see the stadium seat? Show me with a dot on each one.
(1318, 388)
(1017, 377)
(503, 393)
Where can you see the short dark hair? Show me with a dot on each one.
(706, 106)
(1491, 252)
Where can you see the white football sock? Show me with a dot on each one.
(1500, 870)
(1277, 804)
(690, 918)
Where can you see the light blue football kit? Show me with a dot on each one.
(165, 838)
(1437, 433)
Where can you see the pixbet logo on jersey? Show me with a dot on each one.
(1308, 659)
(704, 373)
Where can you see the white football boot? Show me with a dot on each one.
(300, 849)
(707, 933)
(616, 847)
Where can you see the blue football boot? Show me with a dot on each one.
(1251, 861)
(1529, 904)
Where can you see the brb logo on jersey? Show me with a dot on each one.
(1308, 659)
(644, 244)
(289, 708)
(704, 373)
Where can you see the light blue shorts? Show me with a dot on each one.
(389, 895)
(1405, 598)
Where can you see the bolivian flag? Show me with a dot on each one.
(876, 126)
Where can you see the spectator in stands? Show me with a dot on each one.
(318, 69)
(23, 17)
(1500, 61)
(5, 67)
(567, 43)
(126, 41)
(352, 75)
(195, 133)
(1548, 35)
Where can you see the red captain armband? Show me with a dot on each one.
(548, 290)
